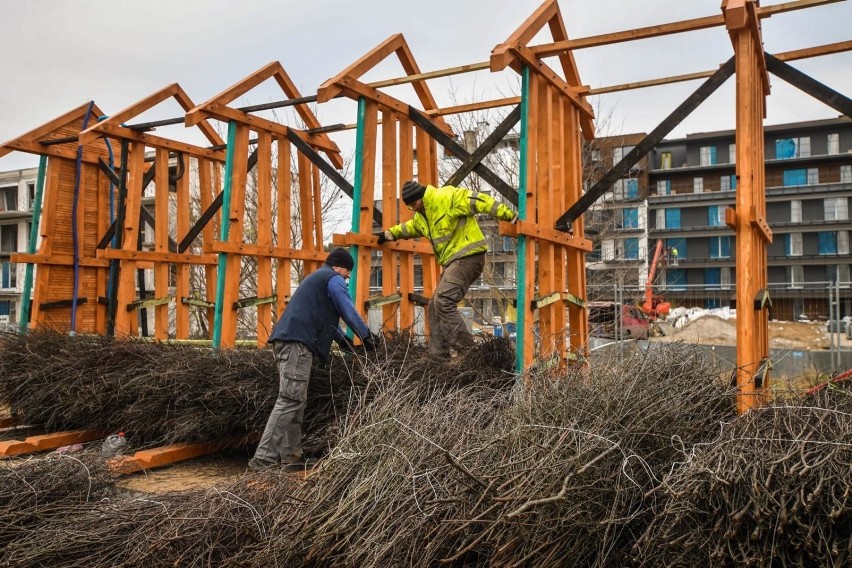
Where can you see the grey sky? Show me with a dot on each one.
(57, 54)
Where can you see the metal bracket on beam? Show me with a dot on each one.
(254, 301)
(762, 301)
(418, 299)
(196, 302)
(61, 304)
(379, 301)
(150, 302)
(541, 301)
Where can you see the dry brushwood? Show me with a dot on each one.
(176, 393)
(207, 527)
(40, 489)
(772, 490)
(561, 469)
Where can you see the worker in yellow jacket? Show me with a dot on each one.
(446, 216)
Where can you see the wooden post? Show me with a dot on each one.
(209, 185)
(283, 265)
(406, 259)
(264, 234)
(31, 246)
(390, 207)
(161, 242)
(126, 322)
(182, 269)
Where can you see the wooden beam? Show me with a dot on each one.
(371, 241)
(331, 88)
(57, 260)
(48, 127)
(155, 256)
(819, 91)
(251, 249)
(645, 145)
(531, 229)
(411, 78)
(502, 55)
(472, 107)
(160, 142)
(485, 148)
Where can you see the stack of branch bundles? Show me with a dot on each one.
(773, 489)
(641, 464)
(161, 394)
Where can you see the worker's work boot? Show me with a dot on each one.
(257, 464)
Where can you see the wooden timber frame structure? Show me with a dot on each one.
(88, 255)
(232, 245)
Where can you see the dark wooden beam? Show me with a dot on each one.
(565, 222)
(809, 85)
(442, 138)
(329, 170)
(485, 148)
(210, 212)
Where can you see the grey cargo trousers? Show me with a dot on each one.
(446, 326)
(282, 437)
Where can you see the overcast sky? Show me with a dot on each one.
(58, 54)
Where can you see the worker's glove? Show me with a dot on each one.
(384, 237)
(371, 342)
(345, 344)
(514, 219)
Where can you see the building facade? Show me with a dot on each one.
(17, 193)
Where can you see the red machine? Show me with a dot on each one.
(655, 306)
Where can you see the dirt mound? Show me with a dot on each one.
(711, 330)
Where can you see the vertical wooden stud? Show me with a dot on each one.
(264, 234)
(161, 241)
(283, 265)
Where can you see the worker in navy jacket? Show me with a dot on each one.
(305, 331)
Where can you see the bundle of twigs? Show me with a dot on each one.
(471, 476)
(773, 489)
(175, 393)
(193, 528)
(40, 490)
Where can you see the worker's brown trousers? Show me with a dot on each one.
(446, 326)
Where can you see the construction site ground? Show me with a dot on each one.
(712, 330)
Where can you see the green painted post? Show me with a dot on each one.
(520, 324)
(356, 192)
(224, 227)
(31, 248)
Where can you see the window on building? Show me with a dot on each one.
(632, 185)
(834, 143)
(720, 247)
(666, 160)
(786, 148)
(843, 242)
(664, 187)
(631, 249)
(630, 218)
(836, 208)
(813, 176)
(725, 278)
(676, 279)
(596, 155)
(679, 244)
(7, 274)
(8, 238)
(716, 215)
(508, 244)
(842, 275)
(661, 219)
(732, 153)
(845, 174)
(673, 218)
(698, 185)
(827, 242)
(796, 211)
(796, 276)
(795, 177)
(793, 244)
(6, 308)
(713, 278)
(9, 198)
(619, 153)
(727, 183)
(31, 186)
(707, 155)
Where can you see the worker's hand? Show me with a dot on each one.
(345, 344)
(384, 237)
(371, 342)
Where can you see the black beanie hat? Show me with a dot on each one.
(340, 257)
(412, 191)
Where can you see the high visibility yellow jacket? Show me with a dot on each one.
(449, 221)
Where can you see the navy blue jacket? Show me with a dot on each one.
(314, 312)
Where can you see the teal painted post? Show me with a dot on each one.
(31, 247)
(522, 214)
(224, 227)
(356, 192)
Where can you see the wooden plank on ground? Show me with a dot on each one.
(44, 442)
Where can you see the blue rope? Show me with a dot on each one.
(111, 202)
(78, 170)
